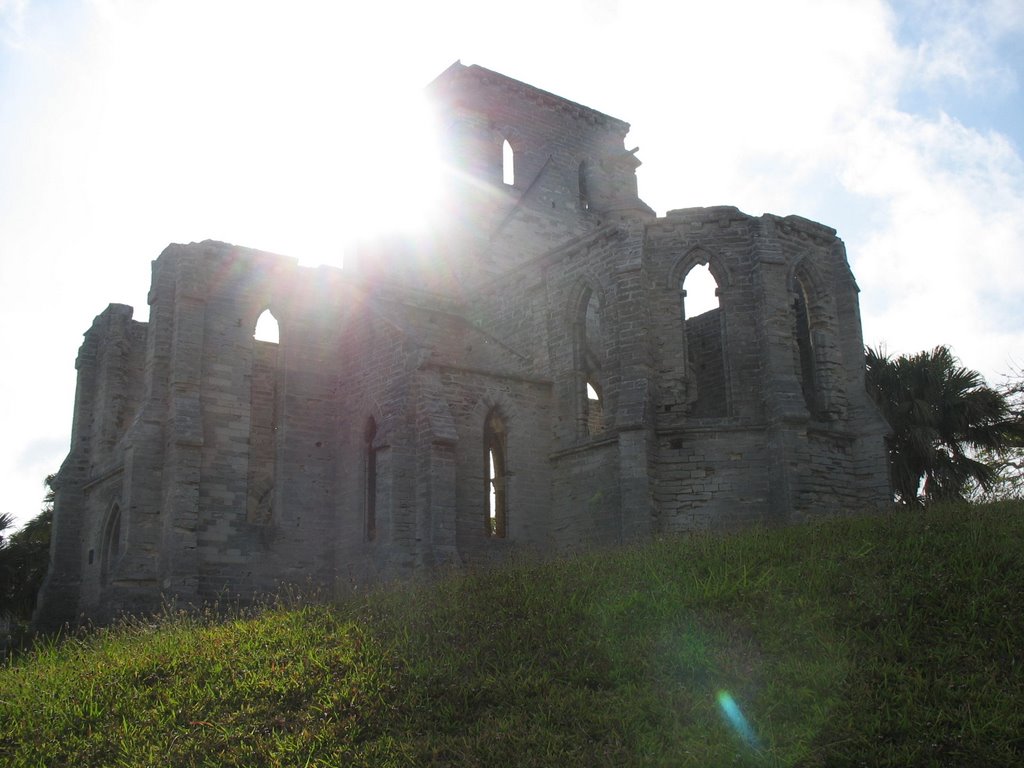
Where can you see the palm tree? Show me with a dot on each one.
(7, 575)
(1008, 463)
(6, 521)
(940, 412)
(24, 558)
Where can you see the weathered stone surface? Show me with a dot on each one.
(206, 464)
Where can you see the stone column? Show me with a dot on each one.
(435, 493)
(785, 408)
(632, 418)
(184, 433)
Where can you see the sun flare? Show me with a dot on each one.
(395, 172)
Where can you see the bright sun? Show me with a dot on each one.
(394, 187)
(299, 165)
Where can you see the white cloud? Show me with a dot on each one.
(929, 205)
(957, 42)
(757, 100)
(945, 263)
(12, 22)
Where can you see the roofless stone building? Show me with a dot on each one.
(529, 377)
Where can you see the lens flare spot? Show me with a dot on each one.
(735, 718)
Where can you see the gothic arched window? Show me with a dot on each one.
(263, 418)
(703, 339)
(806, 353)
(496, 472)
(267, 328)
(110, 551)
(584, 190)
(508, 163)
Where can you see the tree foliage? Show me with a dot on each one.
(1008, 463)
(944, 419)
(24, 558)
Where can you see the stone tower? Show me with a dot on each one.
(528, 377)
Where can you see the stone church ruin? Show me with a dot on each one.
(528, 378)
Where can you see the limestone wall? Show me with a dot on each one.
(528, 380)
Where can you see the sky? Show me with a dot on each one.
(292, 127)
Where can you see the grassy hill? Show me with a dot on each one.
(879, 641)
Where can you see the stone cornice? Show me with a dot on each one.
(458, 74)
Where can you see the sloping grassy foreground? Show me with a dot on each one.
(886, 641)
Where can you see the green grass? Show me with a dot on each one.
(875, 641)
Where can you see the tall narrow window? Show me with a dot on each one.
(496, 473)
(703, 332)
(508, 163)
(590, 356)
(805, 349)
(584, 191)
(263, 420)
(370, 493)
(595, 409)
(111, 549)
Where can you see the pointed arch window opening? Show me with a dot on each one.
(700, 291)
(595, 409)
(267, 328)
(584, 191)
(590, 344)
(111, 549)
(496, 472)
(805, 347)
(704, 342)
(265, 409)
(508, 163)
